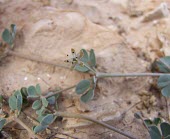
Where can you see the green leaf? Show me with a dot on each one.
(36, 105)
(40, 117)
(19, 102)
(154, 132)
(165, 128)
(41, 111)
(2, 123)
(148, 122)
(163, 64)
(24, 92)
(82, 86)
(157, 121)
(13, 102)
(48, 119)
(81, 68)
(39, 128)
(17, 93)
(6, 36)
(44, 102)
(51, 100)
(32, 92)
(38, 89)
(92, 58)
(87, 96)
(85, 57)
(164, 83)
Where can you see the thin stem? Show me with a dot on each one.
(36, 59)
(84, 64)
(103, 75)
(50, 95)
(124, 112)
(71, 115)
(145, 124)
(89, 68)
(140, 117)
(26, 127)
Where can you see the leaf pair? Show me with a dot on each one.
(155, 121)
(84, 88)
(44, 123)
(89, 60)
(152, 126)
(164, 84)
(40, 103)
(9, 35)
(18, 99)
(15, 101)
(155, 133)
(34, 91)
(40, 106)
(163, 65)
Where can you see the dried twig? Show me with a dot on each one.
(27, 128)
(71, 115)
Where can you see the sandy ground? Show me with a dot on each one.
(49, 29)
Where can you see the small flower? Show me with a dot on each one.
(75, 58)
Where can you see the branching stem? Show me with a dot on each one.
(98, 74)
(50, 95)
(93, 71)
(71, 115)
